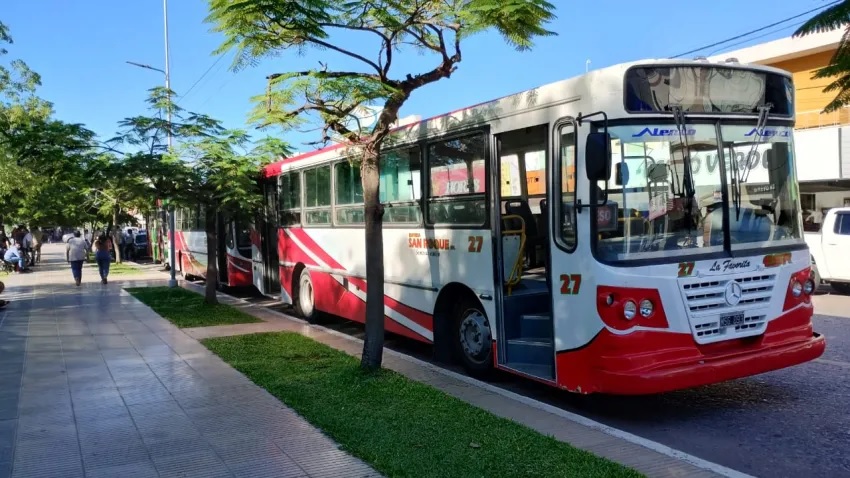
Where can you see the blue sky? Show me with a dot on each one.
(80, 49)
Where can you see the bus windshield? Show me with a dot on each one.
(663, 206)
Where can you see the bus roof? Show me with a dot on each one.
(579, 84)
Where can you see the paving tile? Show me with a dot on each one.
(335, 463)
(114, 453)
(165, 408)
(44, 469)
(8, 428)
(238, 450)
(143, 469)
(270, 467)
(134, 395)
(166, 428)
(97, 411)
(182, 446)
(102, 432)
(8, 408)
(203, 464)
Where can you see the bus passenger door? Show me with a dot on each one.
(264, 255)
(525, 331)
(564, 272)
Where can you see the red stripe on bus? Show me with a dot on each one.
(421, 318)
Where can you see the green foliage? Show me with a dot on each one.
(337, 98)
(838, 70)
(223, 172)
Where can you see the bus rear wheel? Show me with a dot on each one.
(305, 304)
(473, 338)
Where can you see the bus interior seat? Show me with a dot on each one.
(521, 208)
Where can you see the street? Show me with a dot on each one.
(787, 423)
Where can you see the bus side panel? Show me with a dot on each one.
(417, 264)
(191, 250)
(239, 273)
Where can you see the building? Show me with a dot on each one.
(822, 140)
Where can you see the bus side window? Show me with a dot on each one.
(401, 172)
(458, 181)
(290, 199)
(317, 188)
(349, 194)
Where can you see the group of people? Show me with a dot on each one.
(77, 252)
(21, 248)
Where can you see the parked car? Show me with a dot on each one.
(830, 261)
(140, 245)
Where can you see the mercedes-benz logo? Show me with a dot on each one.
(733, 293)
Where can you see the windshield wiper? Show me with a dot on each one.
(742, 174)
(688, 180)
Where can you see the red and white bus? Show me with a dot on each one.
(633, 230)
(234, 249)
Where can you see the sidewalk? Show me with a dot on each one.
(94, 384)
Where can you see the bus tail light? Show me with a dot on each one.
(800, 289)
(622, 308)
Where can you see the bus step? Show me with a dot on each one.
(536, 325)
(530, 350)
(544, 371)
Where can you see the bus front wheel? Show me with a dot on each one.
(305, 304)
(473, 339)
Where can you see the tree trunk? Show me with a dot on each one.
(211, 283)
(373, 345)
(116, 234)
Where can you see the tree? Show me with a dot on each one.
(141, 171)
(335, 97)
(838, 69)
(42, 160)
(224, 178)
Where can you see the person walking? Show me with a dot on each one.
(75, 253)
(102, 256)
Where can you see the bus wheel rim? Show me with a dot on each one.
(306, 295)
(474, 334)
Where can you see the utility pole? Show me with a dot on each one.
(172, 282)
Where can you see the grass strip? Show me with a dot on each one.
(401, 427)
(185, 308)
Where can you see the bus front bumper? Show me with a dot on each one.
(713, 370)
(648, 362)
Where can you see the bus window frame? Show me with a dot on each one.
(426, 178)
(300, 209)
(335, 206)
(726, 253)
(727, 66)
(419, 203)
(555, 193)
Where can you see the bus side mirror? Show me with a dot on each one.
(597, 156)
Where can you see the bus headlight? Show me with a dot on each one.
(629, 310)
(796, 288)
(809, 286)
(646, 308)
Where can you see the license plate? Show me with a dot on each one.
(732, 319)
